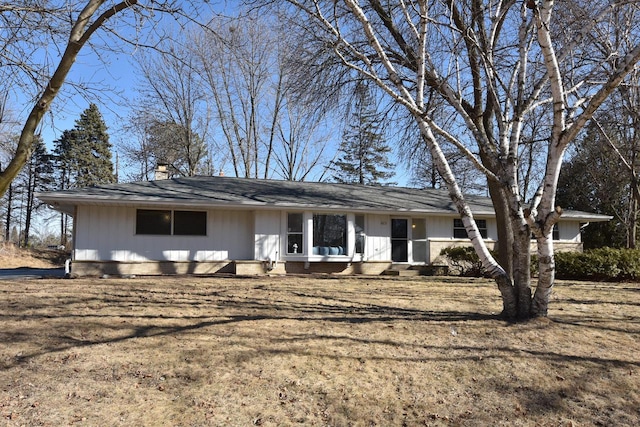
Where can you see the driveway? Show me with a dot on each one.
(30, 273)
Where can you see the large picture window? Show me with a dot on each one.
(166, 222)
(459, 232)
(329, 234)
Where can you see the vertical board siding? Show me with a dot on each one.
(378, 240)
(569, 230)
(267, 235)
(108, 233)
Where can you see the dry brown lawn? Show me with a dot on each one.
(275, 351)
(14, 257)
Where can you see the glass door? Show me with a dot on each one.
(399, 240)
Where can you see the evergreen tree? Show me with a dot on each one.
(83, 156)
(84, 153)
(593, 179)
(39, 177)
(363, 153)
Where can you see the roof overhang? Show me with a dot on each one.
(254, 194)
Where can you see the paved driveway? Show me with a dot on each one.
(30, 273)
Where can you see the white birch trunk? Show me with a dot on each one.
(505, 286)
(546, 276)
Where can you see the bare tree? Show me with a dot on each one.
(243, 63)
(41, 40)
(616, 131)
(493, 64)
(238, 63)
(173, 113)
(302, 142)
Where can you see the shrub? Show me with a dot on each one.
(599, 264)
(463, 260)
(605, 264)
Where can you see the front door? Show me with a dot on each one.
(399, 240)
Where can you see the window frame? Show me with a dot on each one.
(330, 248)
(140, 227)
(143, 226)
(291, 233)
(458, 228)
(195, 224)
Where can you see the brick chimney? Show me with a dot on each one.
(161, 172)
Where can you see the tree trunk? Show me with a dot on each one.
(31, 183)
(506, 241)
(546, 276)
(493, 268)
(7, 228)
(522, 268)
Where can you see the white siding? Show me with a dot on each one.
(569, 230)
(378, 240)
(440, 227)
(108, 234)
(267, 235)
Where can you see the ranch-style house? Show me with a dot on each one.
(207, 225)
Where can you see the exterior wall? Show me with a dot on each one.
(569, 239)
(347, 268)
(253, 242)
(437, 245)
(378, 240)
(569, 231)
(108, 233)
(441, 227)
(267, 241)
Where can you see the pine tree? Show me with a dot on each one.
(39, 177)
(594, 179)
(363, 152)
(84, 153)
(83, 156)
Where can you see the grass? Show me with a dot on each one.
(277, 351)
(13, 257)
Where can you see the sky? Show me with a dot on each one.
(113, 76)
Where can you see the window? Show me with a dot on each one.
(419, 239)
(459, 231)
(359, 226)
(166, 222)
(189, 223)
(556, 232)
(329, 234)
(153, 222)
(294, 233)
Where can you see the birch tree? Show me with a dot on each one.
(493, 64)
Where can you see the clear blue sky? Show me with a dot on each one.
(114, 79)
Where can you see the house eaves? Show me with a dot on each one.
(244, 193)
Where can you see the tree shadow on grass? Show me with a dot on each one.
(111, 310)
(112, 314)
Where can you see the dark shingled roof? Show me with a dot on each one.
(270, 194)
